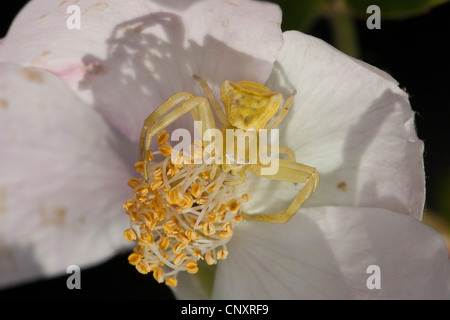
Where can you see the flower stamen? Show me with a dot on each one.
(180, 215)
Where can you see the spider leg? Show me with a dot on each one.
(170, 103)
(283, 112)
(235, 182)
(152, 127)
(292, 172)
(218, 110)
(282, 150)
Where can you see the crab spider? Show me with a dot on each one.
(248, 105)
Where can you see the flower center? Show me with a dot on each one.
(182, 214)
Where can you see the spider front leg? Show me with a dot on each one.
(152, 126)
(235, 182)
(281, 150)
(220, 113)
(292, 172)
(170, 103)
(283, 112)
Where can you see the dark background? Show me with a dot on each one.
(415, 51)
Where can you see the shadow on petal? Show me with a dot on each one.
(176, 4)
(151, 58)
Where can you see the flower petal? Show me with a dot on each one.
(327, 253)
(351, 123)
(191, 287)
(63, 175)
(128, 59)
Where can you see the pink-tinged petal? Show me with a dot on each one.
(63, 175)
(333, 253)
(126, 60)
(40, 37)
(353, 124)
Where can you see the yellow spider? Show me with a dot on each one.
(248, 105)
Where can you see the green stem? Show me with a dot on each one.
(344, 28)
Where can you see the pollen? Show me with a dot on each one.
(183, 213)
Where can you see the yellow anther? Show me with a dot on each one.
(150, 156)
(172, 282)
(165, 150)
(187, 202)
(133, 182)
(147, 219)
(233, 206)
(153, 266)
(157, 174)
(191, 266)
(212, 188)
(159, 214)
(143, 244)
(163, 243)
(175, 196)
(244, 198)
(139, 165)
(205, 175)
(209, 258)
(212, 216)
(179, 259)
(227, 226)
(177, 160)
(169, 226)
(200, 225)
(143, 267)
(171, 171)
(198, 254)
(142, 199)
(237, 218)
(224, 234)
(129, 206)
(158, 274)
(134, 258)
(132, 216)
(179, 246)
(197, 190)
(222, 209)
(192, 235)
(155, 184)
(140, 250)
(201, 200)
(208, 228)
(184, 237)
(222, 254)
(129, 235)
(142, 190)
(162, 137)
(147, 237)
(175, 220)
(198, 151)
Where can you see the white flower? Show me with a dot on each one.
(71, 120)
